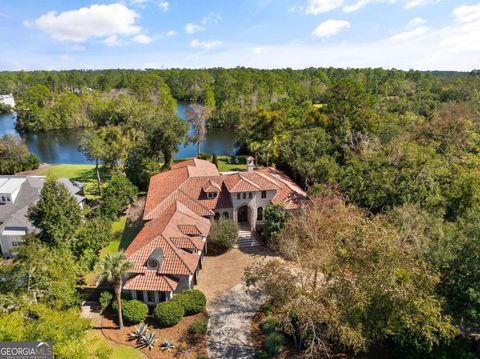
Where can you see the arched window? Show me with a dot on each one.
(259, 214)
(225, 215)
(217, 216)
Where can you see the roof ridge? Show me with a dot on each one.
(177, 251)
(247, 180)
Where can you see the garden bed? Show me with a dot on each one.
(186, 345)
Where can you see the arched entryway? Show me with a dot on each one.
(242, 215)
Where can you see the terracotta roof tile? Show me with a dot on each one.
(151, 281)
(188, 242)
(189, 230)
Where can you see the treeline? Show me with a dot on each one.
(61, 99)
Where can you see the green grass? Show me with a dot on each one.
(224, 166)
(80, 173)
(122, 236)
(118, 351)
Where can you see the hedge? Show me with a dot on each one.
(134, 311)
(168, 314)
(193, 301)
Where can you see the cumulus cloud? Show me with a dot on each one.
(213, 17)
(192, 28)
(330, 27)
(87, 22)
(315, 7)
(109, 22)
(171, 33)
(205, 45)
(416, 3)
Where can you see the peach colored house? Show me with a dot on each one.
(180, 206)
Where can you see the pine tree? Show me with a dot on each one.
(56, 215)
(215, 160)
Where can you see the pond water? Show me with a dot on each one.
(61, 146)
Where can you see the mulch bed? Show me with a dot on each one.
(186, 345)
(258, 338)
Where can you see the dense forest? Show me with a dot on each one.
(399, 148)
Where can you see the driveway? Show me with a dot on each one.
(231, 314)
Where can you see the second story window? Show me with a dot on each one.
(249, 194)
(264, 194)
(238, 196)
(244, 195)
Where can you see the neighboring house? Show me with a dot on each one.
(7, 100)
(180, 206)
(17, 194)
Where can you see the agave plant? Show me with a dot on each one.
(149, 340)
(139, 332)
(167, 345)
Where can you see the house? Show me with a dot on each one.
(17, 194)
(7, 100)
(181, 204)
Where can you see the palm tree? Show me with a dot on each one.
(113, 267)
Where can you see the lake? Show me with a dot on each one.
(61, 146)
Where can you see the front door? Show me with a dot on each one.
(243, 214)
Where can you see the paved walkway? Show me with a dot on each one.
(229, 327)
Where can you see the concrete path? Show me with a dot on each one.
(229, 333)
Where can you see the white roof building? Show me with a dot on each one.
(7, 100)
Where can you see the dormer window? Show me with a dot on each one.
(155, 259)
(212, 194)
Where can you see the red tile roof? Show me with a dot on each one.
(176, 207)
(151, 281)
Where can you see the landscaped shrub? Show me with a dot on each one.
(125, 297)
(269, 325)
(199, 326)
(105, 299)
(274, 344)
(134, 311)
(224, 234)
(168, 314)
(193, 301)
(204, 156)
(266, 308)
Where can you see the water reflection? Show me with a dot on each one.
(61, 146)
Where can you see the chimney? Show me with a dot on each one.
(250, 164)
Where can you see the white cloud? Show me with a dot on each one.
(112, 40)
(410, 34)
(87, 22)
(206, 45)
(191, 28)
(467, 13)
(362, 3)
(330, 27)
(316, 7)
(76, 47)
(142, 39)
(416, 3)
(418, 21)
(164, 6)
(258, 50)
(171, 33)
(213, 17)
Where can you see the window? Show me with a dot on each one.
(152, 263)
(244, 195)
(150, 297)
(212, 194)
(264, 194)
(225, 215)
(259, 214)
(3, 198)
(249, 194)
(238, 195)
(217, 216)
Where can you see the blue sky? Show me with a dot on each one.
(419, 34)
